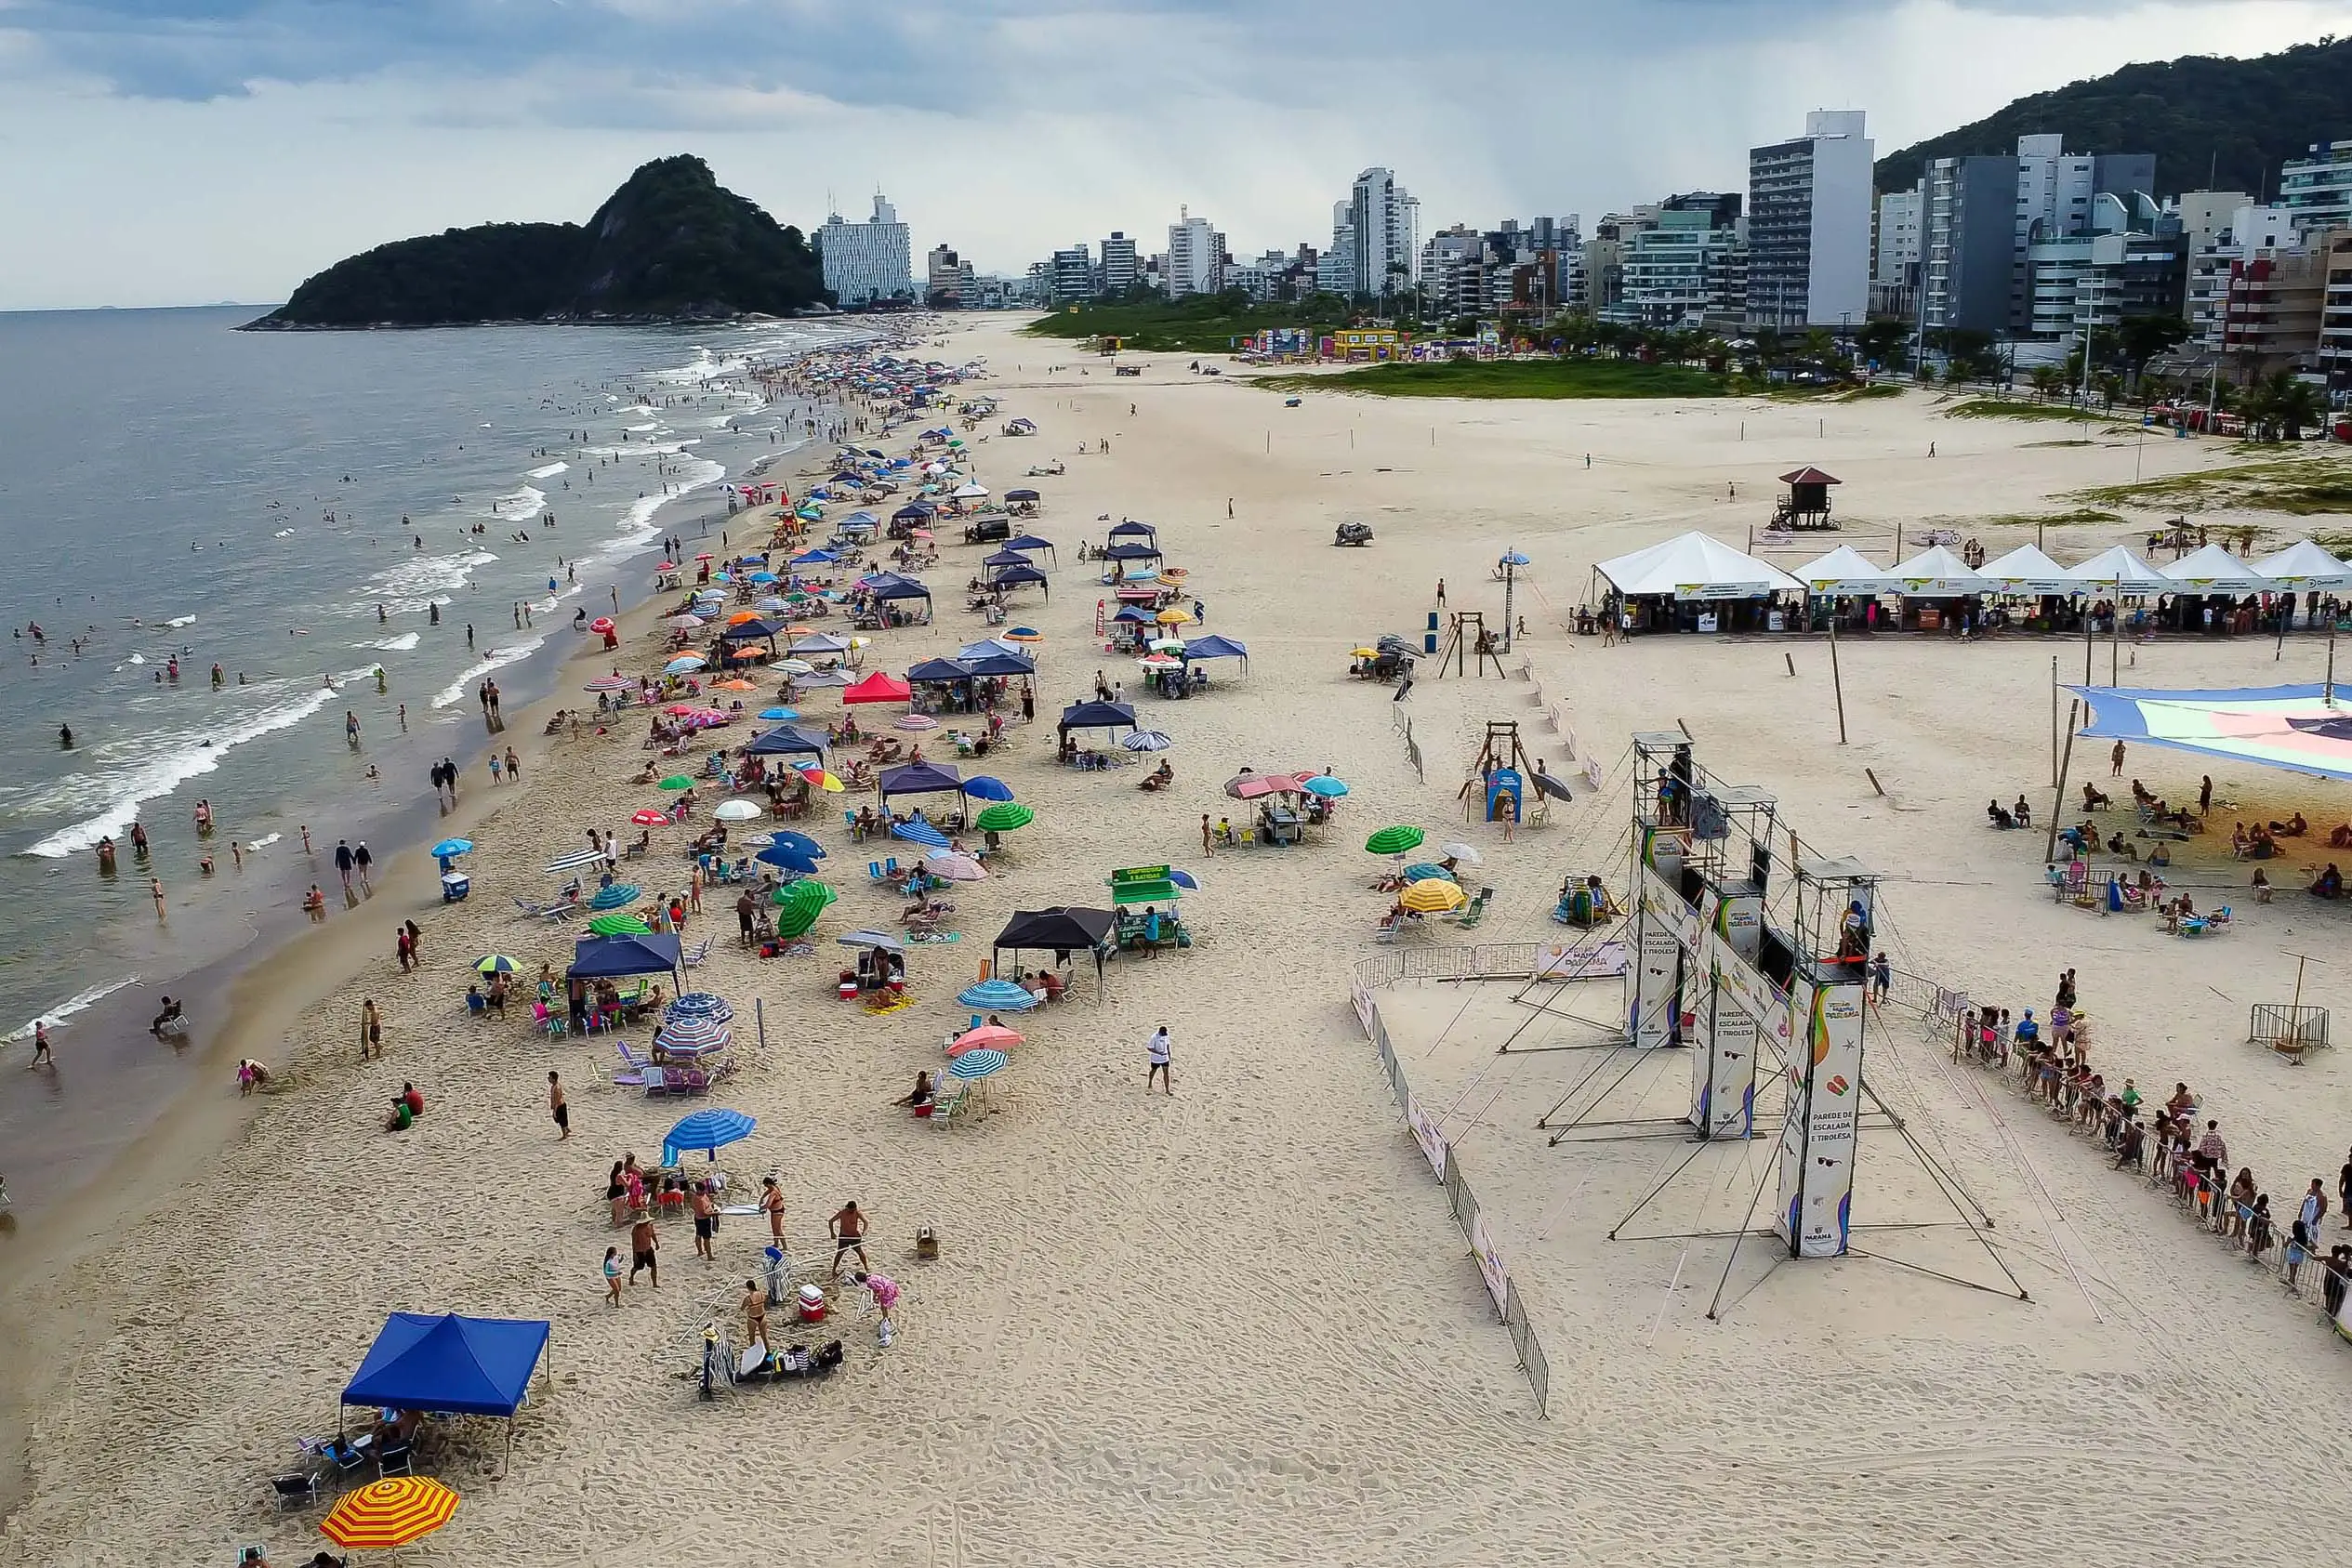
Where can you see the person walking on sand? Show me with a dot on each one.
(361, 861)
(771, 1204)
(848, 1229)
(1208, 836)
(371, 1031)
(557, 1107)
(883, 1290)
(1160, 1052)
(705, 1212)
(404, 949)
(343, 863)
(644, 1245)
(613, 1276)
(514, 767)
(1441, 593)
(41, 1057)
(2115, 761)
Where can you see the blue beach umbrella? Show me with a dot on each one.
(997, 996)
(449, 846)
(785, 857)
(1184, 879)
(705, 1132)
(760, 578)
(801, 842)
(1324, 786)
(693, 1036)
(978, 1063)
(698, 1004)
(1512, 558)
(1425, 870)
(617, 896)
(920, 833)
(987, 787)
(783, 714)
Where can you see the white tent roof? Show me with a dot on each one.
(2215, 568)
(1844, 571)
(1695, 566)
(2304, 565)
(2121, 571)
(1935, 572)
(2026, 570)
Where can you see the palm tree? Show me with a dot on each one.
(2291, 403)
(2046, 379)
(2110, 387)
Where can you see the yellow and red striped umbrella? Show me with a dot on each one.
(391, 1512)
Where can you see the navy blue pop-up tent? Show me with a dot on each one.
(919, 778)
(1131, 529)
(617, 957)
(936, 672)
(1215, 647)
(785, 741)
(470, 1366)
(1014, 576)
(1096, 716)
(1000, 664)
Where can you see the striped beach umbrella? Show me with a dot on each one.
(698, 1004)
(806, 894)
(1394, 840)
(1433, 897)
(997, 996)
(1147, 740)
(617, 895)
(496, 964)
(1425, 870)
(619, 925)
(693, 1037)
(916, 831)
(706, 1132)
(978, 1063)
(391, 1513)
(1004, 816)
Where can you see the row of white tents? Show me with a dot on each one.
(1694, 566)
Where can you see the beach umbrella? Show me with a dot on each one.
(645, 816)
(796, 667)
(698, 1004)
(800, 842)
(619, 925)
(997, 996)
(496, 964)
(817, 778)
(987, 787)
(448, 847)
(978, 1063)
(391, 1513)
(1146, 740)
(1167, 645)
(676, 780)
(916, 723)
(1324, 786)
(1364, 652)
(988, 1036)
(761, 577)
(1512, 558)
(786, 858)
(773, 605)
(614, 895)
(734, 811)
(1172, 616)
(1003, 817)
(684, 623)
(806, 894)
(785, 714)
(601, 623)
(887, 940)
(1423, 871)
(1249, 786)
(1023, 634)
(1184, 879)
(1394, 840)
(954, 867)
(685, 663)
(695, 1035)
(919, 832)
(610, 683)
(1435, 896)
(1465, 853)
(705, 1132)
(734, 683)
(1159, 661)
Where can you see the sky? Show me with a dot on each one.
(187, 152)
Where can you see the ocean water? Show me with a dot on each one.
(290, 508)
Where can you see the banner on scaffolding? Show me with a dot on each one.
(1659, 941)
(1720, 1029)
(1821, 1131)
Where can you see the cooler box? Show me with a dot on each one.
(455, 886)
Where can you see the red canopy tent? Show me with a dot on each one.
(879, 687)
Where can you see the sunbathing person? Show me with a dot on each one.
(1997, 816)
(2340, 836)
(2095, 798)
(2294, 827)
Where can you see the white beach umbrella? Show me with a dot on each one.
(734, 811)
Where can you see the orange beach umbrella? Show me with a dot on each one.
(391, 1512)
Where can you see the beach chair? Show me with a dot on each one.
(693, 957)
(396, 1459)
(2219, 919)
(944, 1107)
(477, 1004)
(1475, 912)
(655, 1080)
(548, 1021)
(295, 1491)
(690, 1081)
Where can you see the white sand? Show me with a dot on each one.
(1237, 1324)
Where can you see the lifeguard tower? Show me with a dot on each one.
(1806, 507)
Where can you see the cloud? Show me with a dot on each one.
(266, 138)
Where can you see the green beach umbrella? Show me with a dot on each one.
(1394, 840)
(497, 964)
(1004, 816)
(676, 780)
(619, 926)
(807, 893)
(791, 923)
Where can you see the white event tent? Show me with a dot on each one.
(2026, 570)
(1935, 572)
(1844, 571)
(1693, 566)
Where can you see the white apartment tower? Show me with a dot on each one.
(1195, 255)
(868, 261)
(1383, 223)
(1899, 221)
(1809, 208)
(1120, 267)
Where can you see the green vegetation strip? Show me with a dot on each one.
(2300, 486)
(1513, 378)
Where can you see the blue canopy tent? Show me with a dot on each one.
(1016, 577)
(889, 586)
(785, 741)
(1031, 542)
(1131, 529)
(1127, 551)
(648, 953)
(1215, 647)
(936, 672)
(1000, 664)
(1135, 614)
(471, 1366)
(1005, 557)
(1095, 715)
(919, 778)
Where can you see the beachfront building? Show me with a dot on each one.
(867, 262)
(2335, 357)
(1809, 227)
(1120, 269)
(2058, 193)
(1383, 234)
(2318, 189)
(1685, 267)
(1894, 253)
(2132, 262)
(1196, 257)
(1070, 276)
(948, 281)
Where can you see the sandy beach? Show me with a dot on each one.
(1236, 1323)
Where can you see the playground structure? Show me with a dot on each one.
(1469, 647)
(1497, 786)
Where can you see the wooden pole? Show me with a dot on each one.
(1837, 683)
(2054, 720)
(2057, 805)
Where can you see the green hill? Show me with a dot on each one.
(2213, 124)
(671, 243)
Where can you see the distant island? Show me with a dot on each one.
(670, 244)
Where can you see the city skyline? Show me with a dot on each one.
(269, 139)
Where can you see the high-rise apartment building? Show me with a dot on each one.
(943, 278)
(869, 261)
(2334, 358)
(1895, 262)
(1196, 257)
(1070, 276)
(1968, 236)
(1383, 223)
(2318, 189)
(1809, 207)
(1121, 270)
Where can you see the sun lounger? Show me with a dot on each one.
(944, 1107)
(694, 956)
